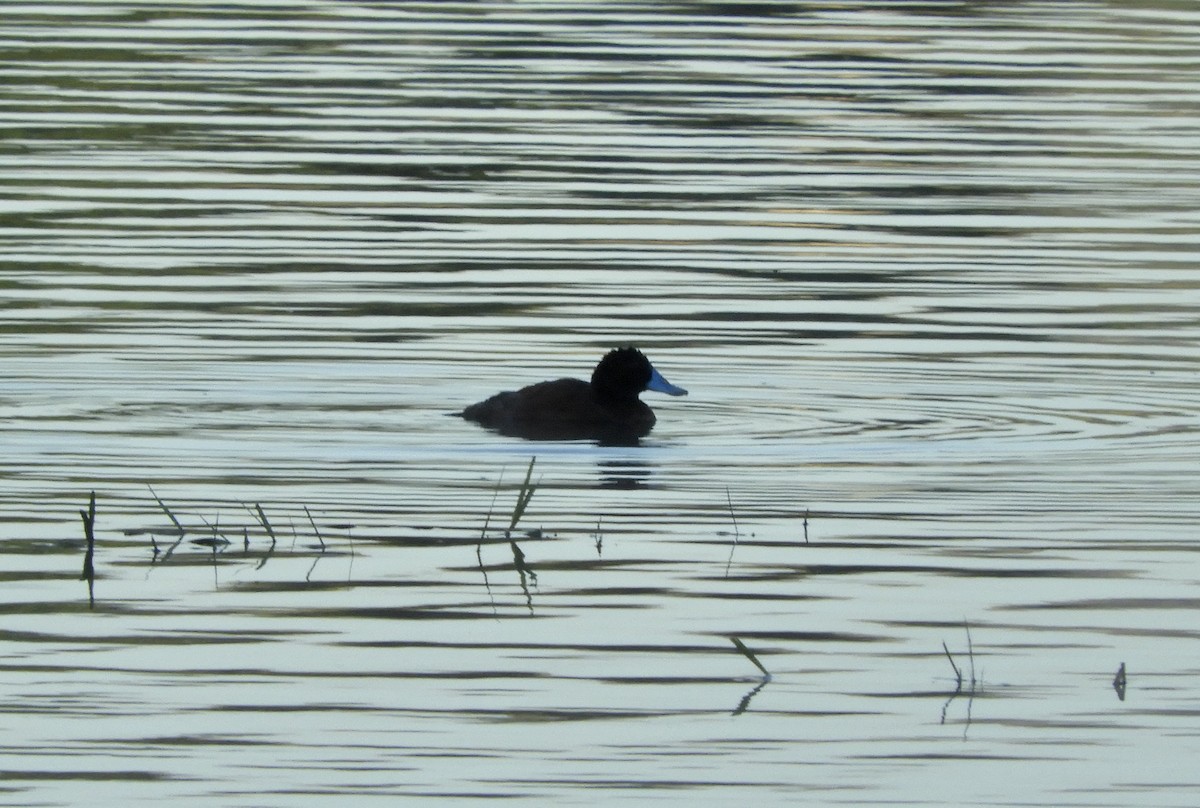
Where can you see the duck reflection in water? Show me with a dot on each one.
(606, 409)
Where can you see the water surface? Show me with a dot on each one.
(927, 271)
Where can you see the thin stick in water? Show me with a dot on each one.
(89, 534)
(89, 556)
(733, 545)
(748, 654)
(262, 520)
(316, 530)
(957, 672)
(166, 510)
(523, 496)
(970, 653)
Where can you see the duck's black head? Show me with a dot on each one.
(623, 373)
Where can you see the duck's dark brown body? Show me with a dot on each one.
(566, 409)
(607, 409)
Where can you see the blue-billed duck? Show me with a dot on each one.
(606, 409)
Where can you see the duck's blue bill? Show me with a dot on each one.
(660, 385)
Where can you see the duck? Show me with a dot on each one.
(606, 409)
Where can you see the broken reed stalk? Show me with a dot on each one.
(970, 653)
(167, 511)
(89, 533)
(316, 530)
(748, 654)
(179, 529)
(89, 555)
(957, 672)
(483, 535)
(259, 514)
(487, 521)
(733, 544)
(523, 496)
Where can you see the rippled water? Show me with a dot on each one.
(928, 271)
